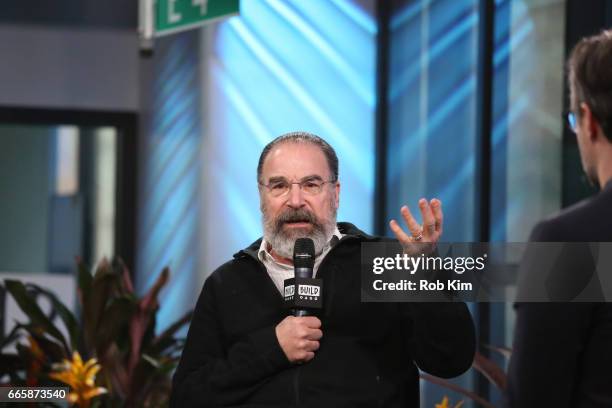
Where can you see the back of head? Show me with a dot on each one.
(590, 77)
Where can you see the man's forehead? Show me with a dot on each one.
(295, 160)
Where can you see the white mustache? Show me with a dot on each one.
(296, 216)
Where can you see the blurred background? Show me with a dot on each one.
(151, 156)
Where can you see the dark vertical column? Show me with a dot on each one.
(486, 36)
(484, 117)
(86, 190)
(382, 88)
(126, 192)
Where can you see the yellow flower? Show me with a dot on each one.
(81, 379)
(444, 404)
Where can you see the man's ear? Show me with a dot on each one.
(337, 187)
(590, 123)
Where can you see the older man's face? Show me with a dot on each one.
(298, 213)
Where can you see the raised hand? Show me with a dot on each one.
(421, 238)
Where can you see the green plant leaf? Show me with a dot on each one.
(29, 306)
(64, 313)
(168, 367)
(165, 340)
(13, 335)
(114, 367)
(10, 364)
(114, 320)
(52, 350)
(142, 323)
(84, 278)
(149, 301)
(127, 288)
(149, 333)
(154, 363)
(93, 305)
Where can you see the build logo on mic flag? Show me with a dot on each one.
(289, 291)
(309, 293)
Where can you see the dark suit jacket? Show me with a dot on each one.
(562, 352)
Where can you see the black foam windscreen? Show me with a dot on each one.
(303, 253)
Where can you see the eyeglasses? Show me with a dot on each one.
(571, 120)
(310, 186)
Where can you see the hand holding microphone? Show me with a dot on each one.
(299, 337)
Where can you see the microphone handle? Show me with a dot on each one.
(303, 272)
(301, 312)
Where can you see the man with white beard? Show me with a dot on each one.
(245, 350)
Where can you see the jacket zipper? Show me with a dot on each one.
(296, 377)
(296, 385)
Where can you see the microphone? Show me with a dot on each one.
(303, 257)
(303, 293)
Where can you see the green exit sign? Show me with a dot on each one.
(172, 16)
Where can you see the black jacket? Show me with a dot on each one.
(366, 357)
(562, 352)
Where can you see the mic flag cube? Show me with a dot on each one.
(303, 293)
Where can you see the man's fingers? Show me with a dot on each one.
(398, 231)
(308, 333)
(310, 322)
(429, 222)
(308, 355)
(436, 206)
(310, 345)
(314, 334)
(413, 225)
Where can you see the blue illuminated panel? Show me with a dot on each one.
(432, 110)
(170, 175)
(284, 66)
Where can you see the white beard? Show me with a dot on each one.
(283, 241)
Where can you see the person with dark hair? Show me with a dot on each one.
(562, 352)
(244, 349)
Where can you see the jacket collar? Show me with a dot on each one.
(346, 228)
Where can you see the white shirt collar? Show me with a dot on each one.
(264, 255)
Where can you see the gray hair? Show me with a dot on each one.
(302, 137)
